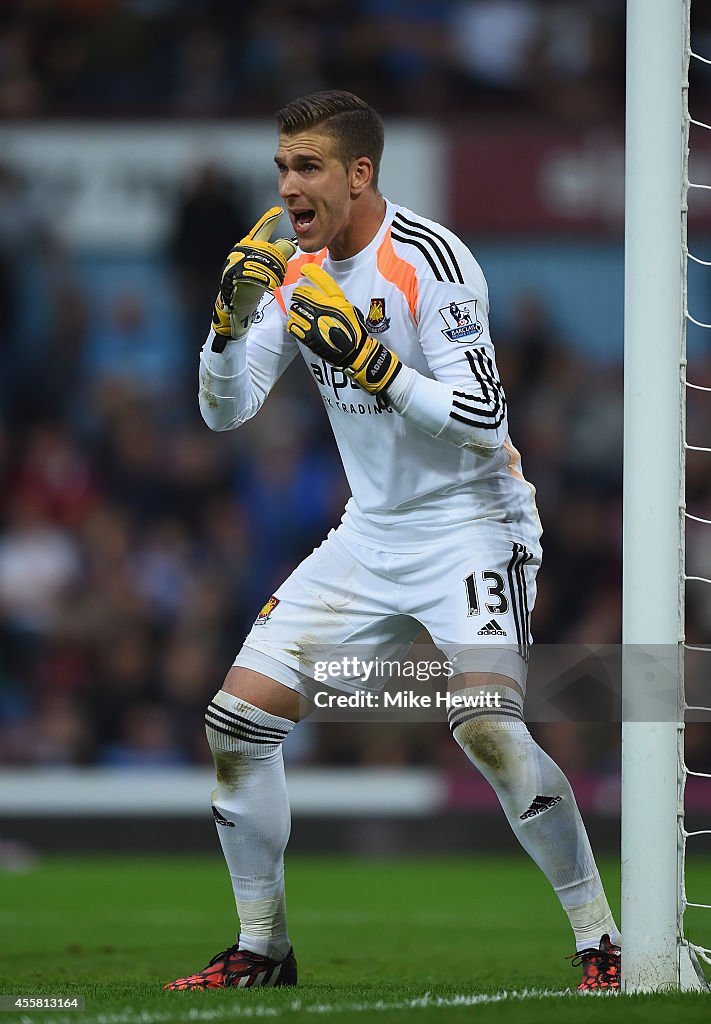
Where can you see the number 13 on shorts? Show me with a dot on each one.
(499, 601)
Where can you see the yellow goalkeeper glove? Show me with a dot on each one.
(325, 321)
(254, 265)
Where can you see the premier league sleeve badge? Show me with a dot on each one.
(461, 322)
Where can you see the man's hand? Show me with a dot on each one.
(325, 321)
(254, 265)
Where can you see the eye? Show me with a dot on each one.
(309, 168)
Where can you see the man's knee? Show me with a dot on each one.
(266, 693)
(496, 747)
(235, 725)
(488, 723)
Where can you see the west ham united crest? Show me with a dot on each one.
(376, 321)
(461, 321)
(266, 611)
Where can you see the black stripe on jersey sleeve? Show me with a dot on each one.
(423, 250)
(482, 368)
(491, 406)
(477, 423)
(425, 230)
(491, 418)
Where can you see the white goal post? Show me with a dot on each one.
(655, 954)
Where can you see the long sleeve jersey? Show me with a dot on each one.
(439, 453)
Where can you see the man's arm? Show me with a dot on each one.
(470, 413)
(235, 382)
(245, 352)
(464, 405)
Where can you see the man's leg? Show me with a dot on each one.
(336, 596)
(475, 595)
(246, 722)
(537, 800)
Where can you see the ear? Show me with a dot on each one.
(360, 176)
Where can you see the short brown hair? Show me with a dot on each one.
(356, 127)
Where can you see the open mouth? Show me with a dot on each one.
(302, 220)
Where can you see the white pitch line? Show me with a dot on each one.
(228, 1013)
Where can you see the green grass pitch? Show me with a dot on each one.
(390, 940)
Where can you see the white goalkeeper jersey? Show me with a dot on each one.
(440, 454)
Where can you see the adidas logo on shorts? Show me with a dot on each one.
(492, 628)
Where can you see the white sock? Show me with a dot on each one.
(252, 817)
(540, 807)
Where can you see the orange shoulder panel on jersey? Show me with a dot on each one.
(399, 272)
(293, 271)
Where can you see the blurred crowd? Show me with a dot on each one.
(136, 547)
(165, 58)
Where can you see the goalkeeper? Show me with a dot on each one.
(390, 312)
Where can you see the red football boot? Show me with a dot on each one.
(238, 968)
(602, 968)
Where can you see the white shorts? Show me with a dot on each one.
(473, 593)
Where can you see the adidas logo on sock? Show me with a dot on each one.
(539, 805)
(221, 820)
(492, 628)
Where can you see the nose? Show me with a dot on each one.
(288, 185)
